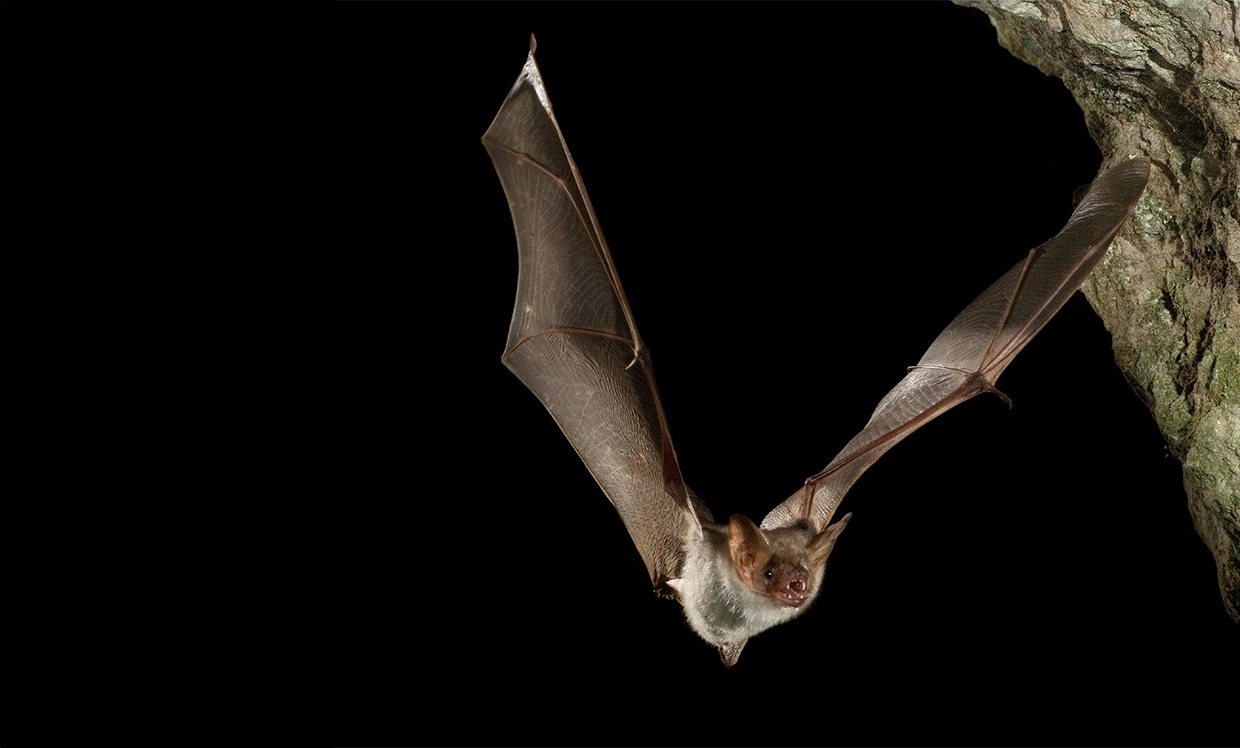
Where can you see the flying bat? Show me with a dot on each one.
(574, 344)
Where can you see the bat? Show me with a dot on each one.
(574, 344)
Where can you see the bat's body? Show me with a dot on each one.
(730, 595)
(574, 344)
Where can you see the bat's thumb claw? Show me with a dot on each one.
(997, 391)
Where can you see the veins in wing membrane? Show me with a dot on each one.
(564, 330)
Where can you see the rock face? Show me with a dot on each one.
(1163, 79)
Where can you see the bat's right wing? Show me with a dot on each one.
(970, 354)
(572, 340)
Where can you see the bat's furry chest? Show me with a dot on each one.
(720, 607)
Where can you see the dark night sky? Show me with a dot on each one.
(270, 483)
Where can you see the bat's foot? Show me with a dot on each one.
(731, 652)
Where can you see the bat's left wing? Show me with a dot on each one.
(970, 354)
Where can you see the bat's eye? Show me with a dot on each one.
(769, 573)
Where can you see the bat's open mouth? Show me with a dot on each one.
(795, 593)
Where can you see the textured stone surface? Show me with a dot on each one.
(1163, 79)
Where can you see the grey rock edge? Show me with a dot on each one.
(1164, 80)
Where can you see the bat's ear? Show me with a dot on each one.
(821, 546)
(747, 545)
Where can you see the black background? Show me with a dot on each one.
(269, 482)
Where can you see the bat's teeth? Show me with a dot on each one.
(794, 591)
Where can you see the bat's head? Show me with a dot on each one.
(784, 565)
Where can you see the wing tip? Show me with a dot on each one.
(1144, 161)
(1135, 170)
(529, 76)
